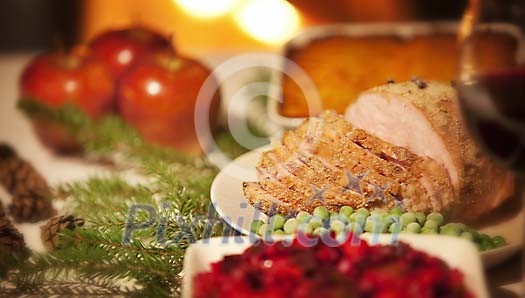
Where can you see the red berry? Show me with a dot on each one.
(323, 271)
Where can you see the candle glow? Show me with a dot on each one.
(268, 21)
(206, 8)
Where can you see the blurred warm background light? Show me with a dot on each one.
(269, 21)
(206, 8)
(201, 25)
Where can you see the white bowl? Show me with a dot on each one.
(457, 253)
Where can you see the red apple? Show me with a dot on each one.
(158, 95)
(55, 79)
(119, 49)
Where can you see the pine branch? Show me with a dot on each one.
(111, 134)
(104, 136)
(99, 199)
(73, 287)
(98, 255)
(95, 251)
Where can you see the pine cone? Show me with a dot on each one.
(49, 232)
(29, 189)
(12, 244)
(19, 177)
(31, 209)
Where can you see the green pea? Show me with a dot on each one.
(431, 224)
(363, 211)
(321, 212)
(369, 226)
(346, 211)
(264, 229)
(277, 221)
(420, 217)
(429, 230)
(413, 228)
(472, 231)
(437, 217)
(278, 233)
(305, 228)
(386, 224)
(355, 228)
(467, 236)
(408, 217)
(499, 241)
(483, 238)
(316, 222)
(358, 218)
(303, 217)
(337, 226)
(480, 246)
(395, 228)
(463, 227)
(487, 245)
(382, 227)
(397, 211)
(338, 217)
(450, 231)
(255, 225)
(393, 218)
(342, 237)
(373, 218)
(320, 231)
(290, 226)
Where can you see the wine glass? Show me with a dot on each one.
(492, 78)
(491, 82)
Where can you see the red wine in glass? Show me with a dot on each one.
(493, 106)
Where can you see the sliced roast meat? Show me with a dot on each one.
(432, 175)
(264, 201)
(335, 147)
(327, 166)
(302, 193)
(328, 162)
(427, 122)
(428, 186)
(401, 140)
(311, 170)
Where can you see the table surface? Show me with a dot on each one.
(505, 280)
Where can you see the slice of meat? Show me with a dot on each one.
(328, 162)
(264, 201)
(311, 170)
(329, 167)
(428, 188)
(431, 174)
(426, 120)
(296, 187)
